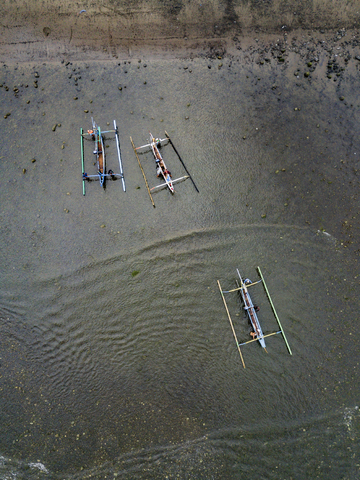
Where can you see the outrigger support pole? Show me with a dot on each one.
(256, 339)
(240, 288)
(177, 153)
(82, 158)
(142, 170)
(118, 150)
(274, 311)
(232, 326)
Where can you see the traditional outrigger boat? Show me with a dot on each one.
(98, 137)
(251, 309)
(161, 169)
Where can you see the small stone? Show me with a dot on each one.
(33, 160)
(263, 215)
(28, 102)
(120, 88)
(342, 98)
(307, 74)
(66, 210)
(75, 98)
(24, 170)
(102, 226)
(54, 127)
(244, 137)
(59, 124)
(86, 111)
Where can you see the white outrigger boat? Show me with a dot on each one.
(251, 309)
(98, 137)
(161, 169)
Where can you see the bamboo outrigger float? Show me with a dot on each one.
(161, 169)
(251, 309)
(98, 137)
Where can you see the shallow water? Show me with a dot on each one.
(117, 357)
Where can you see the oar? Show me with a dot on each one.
(232, 326)
(177, 153)
(274, 311)
(146, 183)
(82, 158)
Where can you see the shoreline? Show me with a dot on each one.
(255, 45)
(31, 31)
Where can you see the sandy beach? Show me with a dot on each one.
(33, 30)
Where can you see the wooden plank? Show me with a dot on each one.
(183, 164)
(142, 170)
(274, 311)
(231, 323)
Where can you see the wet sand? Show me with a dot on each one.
(102, 378)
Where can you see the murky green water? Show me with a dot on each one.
(117, 357)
